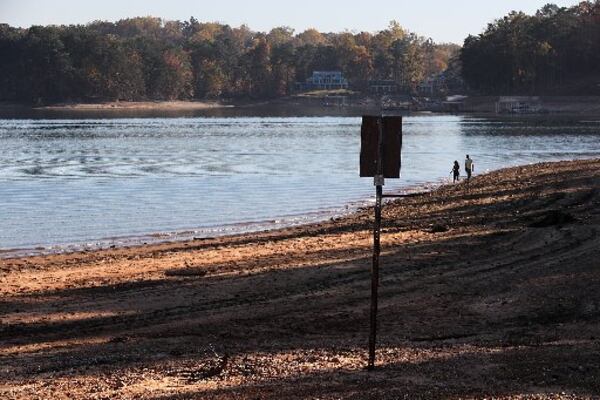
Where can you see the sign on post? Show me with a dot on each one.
(392, 145)
(380, 158)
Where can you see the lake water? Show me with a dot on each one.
(71, 184)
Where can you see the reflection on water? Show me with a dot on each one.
(83, 181)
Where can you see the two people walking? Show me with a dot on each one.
(469, 168)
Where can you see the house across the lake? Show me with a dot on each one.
(324, 80)
(383, 87)
(432, 85)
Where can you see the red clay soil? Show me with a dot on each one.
(488, 290)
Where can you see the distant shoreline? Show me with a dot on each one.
(137, 105)
(482, 106)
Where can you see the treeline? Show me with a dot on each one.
(557, 50)
(148, 58)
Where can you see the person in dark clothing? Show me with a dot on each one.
(455, 171)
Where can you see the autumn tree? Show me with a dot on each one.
(151, 58)
(557, 50)
(46, 68)
(257, 62)
(175, 76)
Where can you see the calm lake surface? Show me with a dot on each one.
(75, 183)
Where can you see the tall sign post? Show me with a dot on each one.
(380, 158)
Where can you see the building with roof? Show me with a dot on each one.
(324, 80)
(383, 87)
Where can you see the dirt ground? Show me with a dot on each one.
(488, 290)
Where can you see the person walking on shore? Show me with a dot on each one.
(469, 167)
(455, 171)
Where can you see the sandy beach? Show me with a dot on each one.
(488, 290)
(174, 105)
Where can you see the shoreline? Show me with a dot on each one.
(135, 105)
(184, 235)
(487, 291)
(484, 106)
(189, 235)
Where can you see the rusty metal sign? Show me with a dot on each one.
(391, 147)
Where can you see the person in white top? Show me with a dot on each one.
(469, 167)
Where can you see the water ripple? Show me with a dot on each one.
(82, 181)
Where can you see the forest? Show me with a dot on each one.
(555, 51)
(151, 59)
